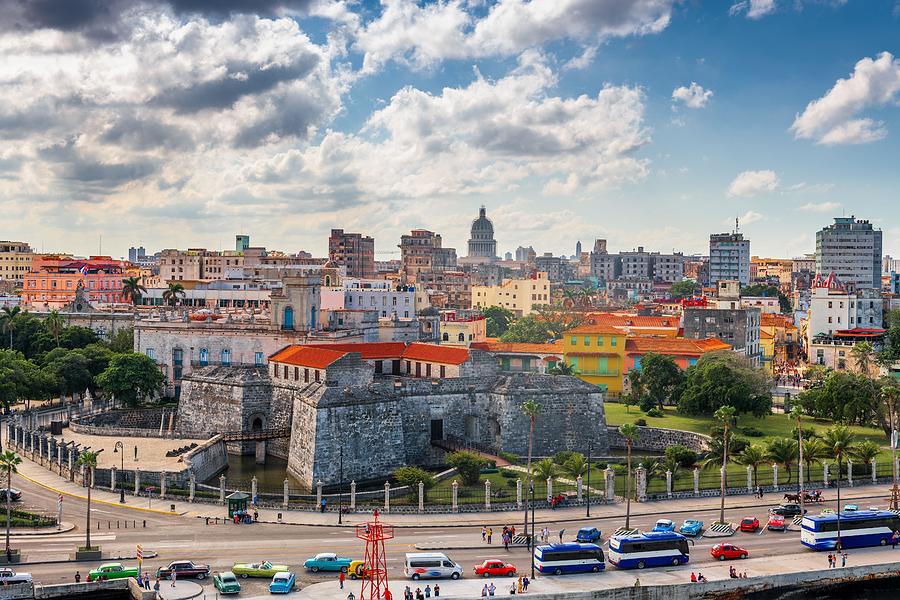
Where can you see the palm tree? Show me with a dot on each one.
(783, 451)
(544, 469)
(863, 354)
(54, 325)
(890, 395)
(797, 413)
(9, 317)
(575, 467)
(630, 432)
(562, 368)
(531, 409)
(9, 462)
(814, 449)
(840, 442)
(866, 451)
(655, 468)
(170, 296)
(752, 456)
(88, 460)
(724, 415)
(132, 289)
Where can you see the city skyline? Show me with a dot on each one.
(644, 122)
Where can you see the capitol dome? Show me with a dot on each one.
(481, 241)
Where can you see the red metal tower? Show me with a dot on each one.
(375, 578)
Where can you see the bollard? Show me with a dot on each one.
(279, 517)
(117, 525)
(126, 524)
(145, 523)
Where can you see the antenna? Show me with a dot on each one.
(737, 225)
(100, 244)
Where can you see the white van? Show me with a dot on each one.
(431, 565)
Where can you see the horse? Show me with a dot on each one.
(792, 497)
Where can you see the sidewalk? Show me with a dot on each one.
(870, 494)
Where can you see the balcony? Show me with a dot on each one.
(598, 373)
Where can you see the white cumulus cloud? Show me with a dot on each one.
(754, 9)
(693, 96)
(752, 183)
(822, 207)
(832, 119)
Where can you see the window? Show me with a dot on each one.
(226, 357)
(599, 340)
(613, 341)
(445, 337)
(317, 376)
(284, 372)
(204, 357)
(306, 375)
(461, 337)
(151, 353)
(587, 341)
(443, 371)
(258, 359)
(574, 341)
(296, 373)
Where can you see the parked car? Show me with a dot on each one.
(263, 569)
(14, 494)
(227, 583)
(112, 571)
(494, 566)
(8, 576)
(327, 561)
(776, 523)
(787, 511)
(282, 583)
(749, 524)
(183, 569)
(588, 535)
(691, 527)
(851, 507)
(356, 569)
(728, 552)
(664, 525)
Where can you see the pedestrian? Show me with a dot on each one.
(506, 541)
(525, 582)
(491, 589)
(484, 538)
(323, 505)
(637, 582)
(843, 559)
(350, 596)
(528, 541)
(561, 532)
(388, 595)
(419, 594)
(255, 516)
(140, 581)
(484, 591)
(437, 590)
(77, 577)
(173, 577)
(147, 581)
(894, 537)
(428, 591)
(519, 586)
(512, 589)
(546, 533)
(693, 577)
(341, 579)
(156, 587)
(490, 533)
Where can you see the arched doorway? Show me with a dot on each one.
(288, 321)
(312, 317)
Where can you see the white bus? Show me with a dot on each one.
(431, 565)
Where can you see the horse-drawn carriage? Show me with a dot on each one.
(808, 497)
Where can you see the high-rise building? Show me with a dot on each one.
(851, 249)
(196, 264)
(524, 254)
(241, 242)
(482, 245)
(15, 261)
(421, 250)
(353, 251)
(578, 249)
(729, 258)
(136, 254)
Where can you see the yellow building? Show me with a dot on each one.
(518, 296)
(597, 354)
(15, 261)
(462, 328)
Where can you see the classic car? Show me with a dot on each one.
(327, 561)
(664, 525)
(691, 527)
(787, 510)
(588, 535)
(495, 566)
(226, 583)
(14, 494)
(776, 523)
(262, 569)
(282, 583)
(8, 576)
(851, 507)
(183, 569)
(728, 552)
(112, 571)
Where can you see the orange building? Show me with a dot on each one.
(638, 325)
(52, 282)
(684, 352)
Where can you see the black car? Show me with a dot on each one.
(787, 510)
(14, 494)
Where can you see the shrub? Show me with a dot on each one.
(509, 457)
(640, 422)
(619, 469)
(468, 464)
(737, 445)
(808, 433)
(683, 455)
(655, 413)
(508, 474)
(411, 476)
(752, 432)
(563, 457)
(599, 466)
(510, 483)
(488, 470)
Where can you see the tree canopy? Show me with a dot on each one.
(498, 320)
(725, 379)
(843, 397)
(131, 376)
(686, 288)
(659, 377)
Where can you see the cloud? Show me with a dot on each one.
(747, 218)
(754, 9)
(752, 183)
(694, 96)
(820, 207)
(582, 61)
(422, 34)
(810, 188)
(831, 120)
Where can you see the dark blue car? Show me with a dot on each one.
(588, 535)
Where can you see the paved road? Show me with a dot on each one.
(175, 537)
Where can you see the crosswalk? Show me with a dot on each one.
(63, 537)
(624, 531)
(720, 528)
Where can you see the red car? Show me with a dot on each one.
(494, 566)
(749, 524)
(727, 552)
(776, 523)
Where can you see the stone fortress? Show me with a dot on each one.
(381, 406)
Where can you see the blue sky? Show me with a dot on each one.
(179, 127)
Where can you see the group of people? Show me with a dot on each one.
(732, 572)
(833, 558)
(519, 586)
(421, 594)
(697, 578)
(509, 533)
(242, 516)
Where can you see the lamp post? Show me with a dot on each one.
(533, 537)
(588, 512)
(119, 449)
(341, 486)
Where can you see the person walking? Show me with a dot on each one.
(174, 576)
(894, 537)
(561, 532)
(428, 591)
(350, 596)
(323, 505)
(546, 533)
(341, 579)
(484, 537)
(437, 590)
(484, 591)
(156, 587)
(490, 533)
(843, 559)
(491, 589)
(77, 577)
(506, 541)
(525, 582)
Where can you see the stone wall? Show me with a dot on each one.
(207, 460)
(657, 439)
(138, 418)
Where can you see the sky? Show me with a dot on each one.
(180, 123)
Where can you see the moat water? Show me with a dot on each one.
(270, 476)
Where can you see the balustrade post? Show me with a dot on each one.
(696, 482)
(387, 497)
(454, 499)
(353, 495)
(669, 483)
(519, 493)
(487, 494)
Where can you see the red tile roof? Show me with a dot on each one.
(517, 347)
(368, 351)
(591, 328)
(673, 346)
(626, 320)
(436, 354)
(307, 356)
(320, 356)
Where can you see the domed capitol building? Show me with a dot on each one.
(482, 245)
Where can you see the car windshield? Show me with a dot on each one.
(279, 576)
(266, 565)
(229, 578)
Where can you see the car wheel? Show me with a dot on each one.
(201, 576)
(641, 564)
(315, 569)
(485, 574)
(744, 555)
(596, 569)
(675, 562)
(510, 573)
(454, 576)
(884, 541)
(243, 576)
(415, 577)
(558, 571)
(721, 557)
(343, 569)
(353, 577)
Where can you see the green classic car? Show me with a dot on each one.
(112, 571)
(227, 583)
(263, 569)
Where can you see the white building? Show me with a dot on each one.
(833, 308)
(766, 304)
(729, 258)
(381, 296)
(851, 249)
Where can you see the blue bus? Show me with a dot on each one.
(651, 549)
(858, 529)
(557, 559)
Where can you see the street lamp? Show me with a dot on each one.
(533, 537)
(341, 486)
(588, 512)
(116, 450)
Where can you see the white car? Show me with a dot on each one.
(8, 576)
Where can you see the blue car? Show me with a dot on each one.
(664, 525)
(588, 535)
(282, 583)
(690, 527)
